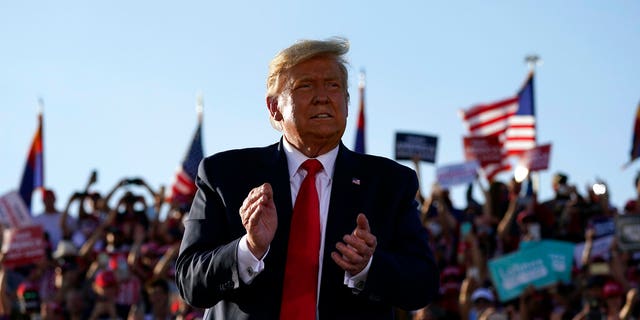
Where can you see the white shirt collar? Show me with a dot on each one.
(295, 158)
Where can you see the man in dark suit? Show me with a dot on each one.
(248, 252)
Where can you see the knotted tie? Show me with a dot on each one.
(301, 272)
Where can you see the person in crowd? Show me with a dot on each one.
(50, 220)
(51, 310)
(29, 299)
(105, 288)
(249, 250)
(632, 206)
(70, 269)
(508, 231)
(76, 306)
(160, 307)
(562, 193)
(87, 222)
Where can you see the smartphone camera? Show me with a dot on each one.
(599, 188)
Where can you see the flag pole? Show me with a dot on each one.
(360, 142)
(200, 106)
(532, 61)
(40, 111)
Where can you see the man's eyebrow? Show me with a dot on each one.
(303, 79)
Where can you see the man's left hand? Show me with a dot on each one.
(357, 249)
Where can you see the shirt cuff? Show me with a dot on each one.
(356, 282)
(248, 265)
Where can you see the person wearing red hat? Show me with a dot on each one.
(105, 286)
(612, 293)
(616, 306)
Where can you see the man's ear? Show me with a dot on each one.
(348, 98)
(272, 105)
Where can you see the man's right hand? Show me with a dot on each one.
(260, 219)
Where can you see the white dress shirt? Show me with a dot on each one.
(249, 266)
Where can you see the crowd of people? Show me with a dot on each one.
(602, 286)
(309, 229)
(111, 259)
(108, 256)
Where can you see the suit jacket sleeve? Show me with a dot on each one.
(206, 268)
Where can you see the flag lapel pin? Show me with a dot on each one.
(355, 181)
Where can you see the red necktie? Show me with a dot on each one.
(301, 272)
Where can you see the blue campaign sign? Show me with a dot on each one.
(561, 255)
(513, 273)
(603, 226)
(409, 146)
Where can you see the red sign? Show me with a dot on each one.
(23, 246)
(536, 159)
(487, 150)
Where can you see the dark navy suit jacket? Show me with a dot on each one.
(402, 274)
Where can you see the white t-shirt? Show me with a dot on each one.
(50, 222)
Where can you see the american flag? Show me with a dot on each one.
(184, 188)
(512, 120)
(360, 141)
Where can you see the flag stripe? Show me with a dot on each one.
(519, 144)
(489, 129)
(493, 115)
(490, 119)
(515, 133)
(516, 121)
(480, 109)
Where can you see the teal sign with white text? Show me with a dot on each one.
(539, 264)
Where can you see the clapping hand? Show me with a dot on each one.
(355, 252)
(260, 219)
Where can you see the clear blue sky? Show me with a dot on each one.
(119, 79)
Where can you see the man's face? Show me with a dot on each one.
(312, 107)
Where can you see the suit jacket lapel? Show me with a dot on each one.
(345, 197)
(278, 177)
(344, 206)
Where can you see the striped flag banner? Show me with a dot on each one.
(184, 188)
(511, 120)
(33, 175)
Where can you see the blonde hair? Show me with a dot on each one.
(304, 50)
